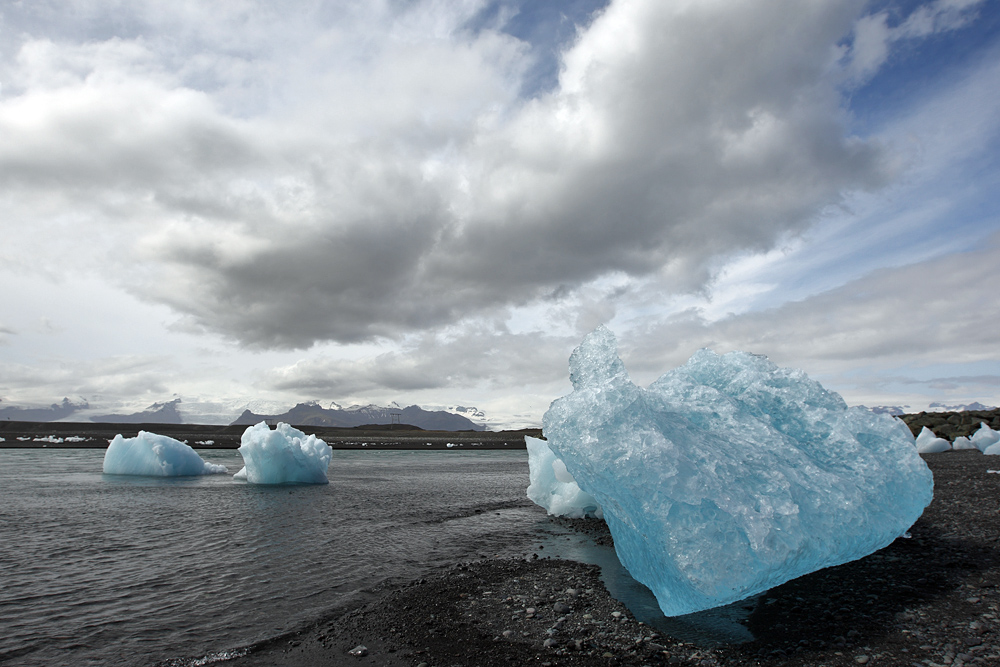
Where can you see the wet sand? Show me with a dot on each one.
(928, 600)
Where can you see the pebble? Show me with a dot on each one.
(861, 659)
(360, 650)
(560, 608)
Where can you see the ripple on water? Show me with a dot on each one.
(102, 568)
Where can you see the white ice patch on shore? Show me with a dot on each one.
(552, 486)
(928, 443)
(985, 437)
(962, 442)
(152, 455)
(729, 476)
(283, 456)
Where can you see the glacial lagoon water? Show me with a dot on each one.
(105, 569)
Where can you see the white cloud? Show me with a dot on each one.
(873, 34)
(365, 178)
(394, 183)
(931, 312)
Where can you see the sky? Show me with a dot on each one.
(431, 202)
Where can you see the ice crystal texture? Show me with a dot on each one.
(552, 487)
(729, 475)
(153, 455)
(285, 455)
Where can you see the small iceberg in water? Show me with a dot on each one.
(152, 455)
(285, 455)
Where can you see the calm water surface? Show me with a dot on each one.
(102, 569)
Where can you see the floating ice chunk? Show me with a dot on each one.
(552, 487)
(729, 475)
(985, 437)
(928, 443)
(283, 456)
(155, 455)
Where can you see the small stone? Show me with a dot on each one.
(550, 643)
(560, 608)
(423, 664)
(973, 641)
(616, 614)
(530, 611)
(861, 659)
(607, 654)
(507, 633)
(972, 600)
(360, 651)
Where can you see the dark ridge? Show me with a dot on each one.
(310, 414)
(21, 434)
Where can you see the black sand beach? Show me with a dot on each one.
(932, 599)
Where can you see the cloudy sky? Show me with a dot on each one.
(433, 201)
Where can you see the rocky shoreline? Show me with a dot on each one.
(951, 425)
(926, 601)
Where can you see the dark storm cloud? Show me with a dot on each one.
(398, 184)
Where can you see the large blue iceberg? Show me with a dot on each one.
(285, 455)
(729, 475)
(155, 455)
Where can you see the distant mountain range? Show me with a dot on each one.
(897, 410)
(312, 414)
(894, 410)
(961, 407)
(157, 413)
(50, 414)
(457, 418)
